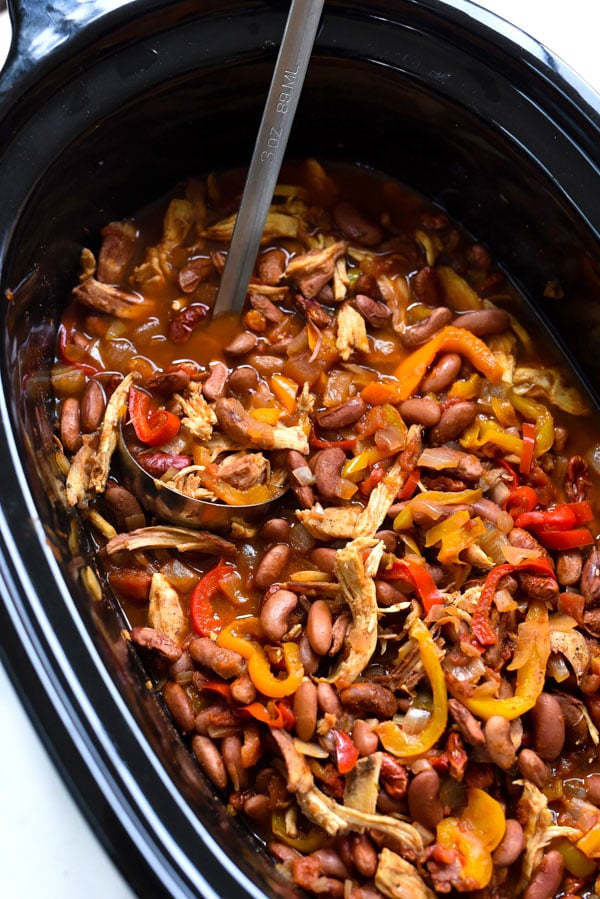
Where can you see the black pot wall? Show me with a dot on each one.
(113, 117)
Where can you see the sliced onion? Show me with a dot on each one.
(304, 475)
(439, 457)
(415, 720)
(466, 673)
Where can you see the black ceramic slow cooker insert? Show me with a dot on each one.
(104, 107)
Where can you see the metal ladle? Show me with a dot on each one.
(280, 108)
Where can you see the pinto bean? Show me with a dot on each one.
(214, 386)
(356, 226)
(275, 530)
(123, 505)
(92, 406)
(271, 565)
(414, 335)
(266, 365)
(366, 699)
(498, 742)
(424, 801)
(534, 768)
(304, 494)
(70, 430)
(180, 706)
(548, 727)
(243, 690)
(483, 322)
(328, 699)
(376, 313)
(319, 626)
(258, 807)
(225, 662)
(387, 594)
(331, 863)
(231, 752)
(547, 877)
(427, 287)
(590, 577)
(421, 411)
(242, 343)
(309, 658)
(327, 467)
(443, 373)
(324, 558)
(364, 854)
(511, 845)
(468, 725)
(210, 760)
(454, 419)
(305, 709)
(569, 564)
(275, 613)
(365, 738)
(342, 415)
(166, 383)
(242, 379)
(592, 785)
(271, 265)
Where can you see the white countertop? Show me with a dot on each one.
(47, 849)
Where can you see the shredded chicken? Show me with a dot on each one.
(550, 384)
(199, 416)
(165, 613)
(351, 332)
(183, 539)
(110, 300)
(539, 828)
(361, 789)
(311, 271)
(398, 879)
(278, 224)
(245, 430)
(109, 434)
(78, 477)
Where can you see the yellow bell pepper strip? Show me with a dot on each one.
(449, 340)
(404, 519)
(454, 535)
(418, 576)
(269, 414)
(303, 842)
(576, 861)
(530, 676)
(258, 664)
(396, 740)
(486, 430)
(474, 836)
(542, 418)
(480, 625)
(233, 496)
(364, 460)
(461, 295)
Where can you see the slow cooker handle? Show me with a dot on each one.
(40, 29)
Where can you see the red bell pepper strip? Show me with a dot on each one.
(151, 426)
(73, 354)
(480, 625)
(419, 577)
(346, 751)
(528, 451)
(318, 443)
(573, 539)
(217, 686)
(561, 517)
(521, 499)
(510, 471)
(410, 485)
(204, 619)
(276, 714)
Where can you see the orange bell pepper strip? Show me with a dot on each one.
(258, 665)
(396, 740)
(474, 835)
(450, 340)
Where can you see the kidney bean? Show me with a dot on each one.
(310, 660)
(414, 335)
(180, 706)
(266, 365)
(483, 322)
(354, 225)
(590, 577)
(468, 724)
(319, 626)
(365, 738)
(224, 662)
(324, 558)
(498, 742)
(427, 288)
(243, 690)
(592, 786)
(209, 759)
(328, 700)
(443, 373)
(271, 265)
(330, 863)
(342, 415)
(258, 808)
(366, 699)
(421, 411)
(271, 565)
(548, 727)
(327, 467)
(376, 313)
(304, 494)
(364, 854)
(252, 749)
(214, 386)
(453, 421)
(231, 748)
(275, 530)
(305, 709)
(123, 505)
(70, 430)
(547, 877)
(216, 714)
(242, 379)
(242, 343)
(387, 594)
(282, 852)
(338, 632)
(92, 406)
(534, 768)
(569, 564)
(511, 845)
(166, 383)
(275, 613)
(423, 797)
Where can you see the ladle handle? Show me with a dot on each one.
(280, 108)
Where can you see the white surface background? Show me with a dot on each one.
(47, 850)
